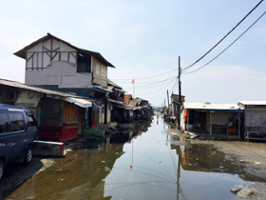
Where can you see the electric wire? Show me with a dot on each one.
(147, 77)
(223, 37)
(158, 82)
(158, 89)
(227, 46)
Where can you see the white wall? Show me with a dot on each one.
(39, 56)
(59, 73)
(61, 70)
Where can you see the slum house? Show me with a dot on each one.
(254, 124)
(223, 119)
(60, 116)
(175, 103)
(136, 110)
(116, 101)
(55, 64)
(145, 109)
(125, 111)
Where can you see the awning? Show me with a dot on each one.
(97, 104)
(83, 103)
(126, 107)
(100, 89)
(115, 101)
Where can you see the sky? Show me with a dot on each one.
(144, 39)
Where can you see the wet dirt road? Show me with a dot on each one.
(142, 163)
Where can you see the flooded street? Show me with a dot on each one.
(141, 163)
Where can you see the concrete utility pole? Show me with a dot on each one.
(179, 91)
(168, 101)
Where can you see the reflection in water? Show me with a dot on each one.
(140, 163)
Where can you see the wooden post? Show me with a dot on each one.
(187, 119)
(168, 101)
(238, 130)
(210, 123)
(179, 91)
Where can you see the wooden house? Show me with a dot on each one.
(55, 64)
(254, 125)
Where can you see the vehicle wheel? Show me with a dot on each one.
(1, 168)
(28, 156)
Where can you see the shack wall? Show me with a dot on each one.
(255, 119)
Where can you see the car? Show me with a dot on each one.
(18, 131)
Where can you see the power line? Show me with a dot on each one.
(157, 89)
(153, 84)
(223, 37)
(227, 46)
(146, 77)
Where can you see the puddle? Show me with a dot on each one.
(141, 163)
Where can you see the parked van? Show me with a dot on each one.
(18, 130)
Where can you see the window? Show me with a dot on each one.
(4, 123)
(17, 121)
(84, 64)
(31, 120)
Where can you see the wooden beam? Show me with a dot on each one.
(51, 50)
(56, 49)
(42, 60)
(45, 49)
(54, 55)
(30, 57)
(74, 55)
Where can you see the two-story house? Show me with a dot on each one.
(55, 64)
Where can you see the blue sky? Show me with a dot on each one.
(145, 38)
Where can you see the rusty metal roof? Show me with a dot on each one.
(209, 106)
(22, 86)
(252, 103)
(22, 53)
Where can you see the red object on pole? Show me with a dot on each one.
(94, 122)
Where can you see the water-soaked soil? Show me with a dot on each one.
(144, 162)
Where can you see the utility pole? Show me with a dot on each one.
(168, 101)
(179, 91)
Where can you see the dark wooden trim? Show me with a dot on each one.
(37, 60)
(30, 56)
(46, 49)
(72, 53)
(51, 49)
(68, 55)
(32, 62)
(54, 55)
(47, 53)
(42, 60)
(56, 49)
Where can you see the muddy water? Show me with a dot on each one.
(141, 163)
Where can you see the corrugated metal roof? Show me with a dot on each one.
(252, 103)
(100, 89)
(126, 107)
(115, 101)
(22, 53)
(79, 102)
(36, 89)
(209, 106)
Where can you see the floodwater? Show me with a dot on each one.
(141, 163)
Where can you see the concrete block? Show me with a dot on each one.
(43, 148)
